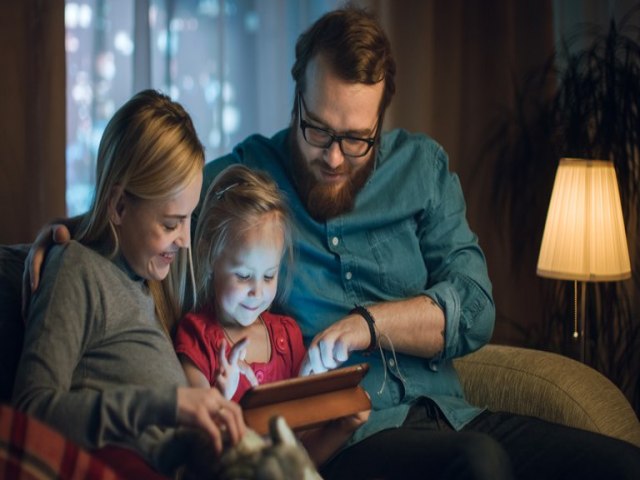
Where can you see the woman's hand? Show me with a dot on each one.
(230, 368)
(207, 409)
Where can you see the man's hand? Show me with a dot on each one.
(54, 233)
(350, 423)
(413, 326)
(207, 409)
(230, 368)
(331, 347)
(324, 441)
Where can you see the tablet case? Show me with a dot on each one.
(307, 402)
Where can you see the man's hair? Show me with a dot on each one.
(355, 45)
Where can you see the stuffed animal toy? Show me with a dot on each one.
(277, 457)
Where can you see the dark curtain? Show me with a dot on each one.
(32, 116)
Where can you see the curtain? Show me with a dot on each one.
(226, 61)
(32, 113)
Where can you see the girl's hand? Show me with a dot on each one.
(207, 409)
(230, 368)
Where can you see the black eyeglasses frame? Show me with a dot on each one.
(371, 141)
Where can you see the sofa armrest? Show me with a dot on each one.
(11, 325)
(548, 386)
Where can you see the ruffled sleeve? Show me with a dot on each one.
(197, 339)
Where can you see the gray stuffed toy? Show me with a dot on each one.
(279, 457)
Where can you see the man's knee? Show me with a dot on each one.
(479, 456)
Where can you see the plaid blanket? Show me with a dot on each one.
(31, 450)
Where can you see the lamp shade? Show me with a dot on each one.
(584, 236)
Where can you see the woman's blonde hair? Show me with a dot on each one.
(237, 201)
(150, 150)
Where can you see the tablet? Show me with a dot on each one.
(300, 387)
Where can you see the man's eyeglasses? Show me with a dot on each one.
(323, 138)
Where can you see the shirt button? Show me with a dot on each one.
(281, 343)
(348, 275)
(392, 362)
(335, 241)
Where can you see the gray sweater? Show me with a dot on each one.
(96, 363)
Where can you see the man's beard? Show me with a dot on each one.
(325, 201)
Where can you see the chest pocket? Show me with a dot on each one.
(399, 263)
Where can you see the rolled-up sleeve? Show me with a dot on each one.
(458, 277)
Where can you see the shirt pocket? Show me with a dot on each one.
(396, 252)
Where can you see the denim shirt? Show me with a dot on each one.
(407, 235)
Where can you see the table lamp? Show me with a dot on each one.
(584, 236)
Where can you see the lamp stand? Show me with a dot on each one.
(583, 307)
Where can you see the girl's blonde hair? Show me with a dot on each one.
(237, 201)
(150, 150)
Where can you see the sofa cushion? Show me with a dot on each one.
(548, 386)
(11, 324)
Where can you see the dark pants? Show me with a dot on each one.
(496, 445)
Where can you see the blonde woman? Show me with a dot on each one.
(98, 363)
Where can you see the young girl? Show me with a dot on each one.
(232, 341)
(240, 240)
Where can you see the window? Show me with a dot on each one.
(227, 61)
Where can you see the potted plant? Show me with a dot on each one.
(583, 103)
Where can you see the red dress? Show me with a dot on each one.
(199, 337)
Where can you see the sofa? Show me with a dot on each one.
(500, 377)
(548, 386)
